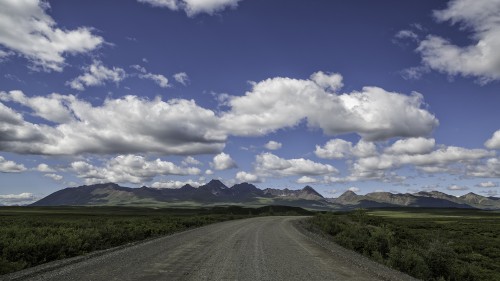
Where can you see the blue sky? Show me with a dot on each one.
(367, 95)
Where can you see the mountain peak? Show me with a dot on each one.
(471, 195)
(348, 193)
(348, 197)
(187, 186)
(308, 189)
(216, 183)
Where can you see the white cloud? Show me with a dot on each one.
(334, 149)
(273, 145)
(139, 68)
(494, 141)
(170, 4)
(194, 7)
(17, 199)
(415, 153)
(182, 78)
(132, 125)
(52, 108)
(480, 60)
(354, 189)
(247, 177)
(28, 30)
(7, 166)
(414, 73)
(96, 75)
(42, 167)
(330, 81)
(209, 172)
(179, 126)
(223, 161)
(487, 184)
(278, 103)
(412, 146)
(268, 164)
(339, 149)
(176, 184)
(129, 168)
(406, 34)
(55, 177)
(159, 79)
(489, 169)
(190, 160)
(457, 187)
(440, 158)
(3, 56)
(306, 180)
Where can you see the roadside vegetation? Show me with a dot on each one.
(429, 244)
(30, 236)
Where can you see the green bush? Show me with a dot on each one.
(465, 249)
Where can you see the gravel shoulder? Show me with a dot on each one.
(263, 248)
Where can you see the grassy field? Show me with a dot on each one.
(430, 244)
(31, 236)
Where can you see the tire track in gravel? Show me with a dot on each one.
(262, 248)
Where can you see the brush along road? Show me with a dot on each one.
(263, 248)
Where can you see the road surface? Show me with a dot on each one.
(263, 248)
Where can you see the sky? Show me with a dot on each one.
(398, 96)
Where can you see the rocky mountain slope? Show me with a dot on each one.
(216, 193)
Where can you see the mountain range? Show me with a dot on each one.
(216, 193)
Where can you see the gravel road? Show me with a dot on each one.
(263, 248)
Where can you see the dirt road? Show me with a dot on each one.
(264, 248)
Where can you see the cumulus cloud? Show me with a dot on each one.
(223, 161)
(190, 160)
(170, 4)
(159, 79)
(339, 149)
(457, 187)
(406, 34)
(125, 125)
(278, 103)
(329, 81)
(440, 158)
(182, 78)
(42, 167)
(129, 169)
(487, 169)
(480, 60)
(412, 146)
(494, 141)
(17, 199)
(29, 31)
(96, 75)
(273, 145)
(353, 189)
(306, 180)
(194, 7)
(53, 107)
(487, 184)
(179, 126)
(247, 177)
(7, 166)
(55, 177)
(268, 164)
(176, 184)
(365, 162)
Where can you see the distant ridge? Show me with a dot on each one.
(217, 193)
